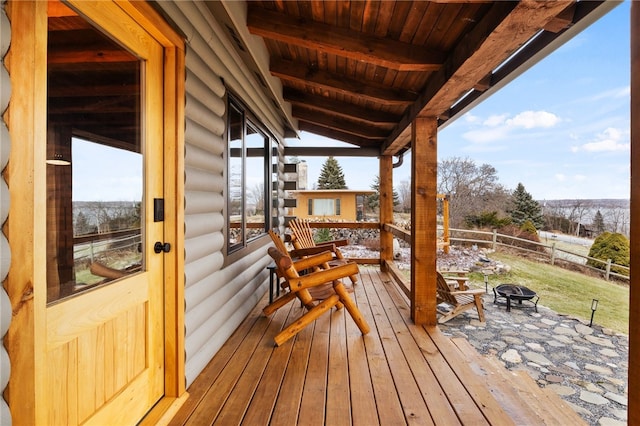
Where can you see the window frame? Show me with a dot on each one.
(249, 121)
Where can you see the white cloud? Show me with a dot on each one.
(560, 177)
(533, 119)
(618, 92)
(610, 140)
(470, 118)
(498, 126)
(486, 135)
(495, 120)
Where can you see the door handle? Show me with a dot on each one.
(160, 247)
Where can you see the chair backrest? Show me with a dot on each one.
(301, 233)
(277, 241)
(444, 291)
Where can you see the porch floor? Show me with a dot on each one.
(399, 373)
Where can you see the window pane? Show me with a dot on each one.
(236, 178)
(94, 163)
(256, 148)
(323, 207)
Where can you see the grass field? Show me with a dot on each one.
(567, 292)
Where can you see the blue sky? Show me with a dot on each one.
(562, 128)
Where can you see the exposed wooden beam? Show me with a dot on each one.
(338, 135)
(562, 21)
(323, 80)
(82, 56)
(97, 90)
(332, 121)
(477, 54)
(343, 42)
(343, 109)
(314, 151)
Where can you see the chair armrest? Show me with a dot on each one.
(337, 243)
(454, 271)
(312, 261)
(472, 291)
(297, 253)
(323, 276)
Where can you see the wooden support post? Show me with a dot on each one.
(445, 223)
(386, 209)
(424, 164)
(634, 287)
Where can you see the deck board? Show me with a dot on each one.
(399, 373)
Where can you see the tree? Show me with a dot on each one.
(525, 207)
(331, 175)
(405, 196)
(373, 200)
(598, 223)
(472, 189)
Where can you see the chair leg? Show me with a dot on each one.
(479, 307)
(278, 303)
(306, 319)
(348, 303)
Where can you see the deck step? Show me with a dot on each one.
(517, 392)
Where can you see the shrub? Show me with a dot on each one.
(529, 228)
(486, 220)
(322, 235)
(521, 233)
(608, 245)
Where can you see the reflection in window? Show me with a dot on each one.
(236, 179)
(94, 159)
(248, 180)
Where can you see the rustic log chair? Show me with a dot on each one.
(302, 238)
(457, 279)
(319, 292)
(460, 300)
(300, 286)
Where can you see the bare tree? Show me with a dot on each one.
(472, 189)
(404, 193)
(256, 198)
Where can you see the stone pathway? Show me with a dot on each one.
(586, 366)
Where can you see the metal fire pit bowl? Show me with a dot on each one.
(516, 292)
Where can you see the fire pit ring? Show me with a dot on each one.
(515, 292)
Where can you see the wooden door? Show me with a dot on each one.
(103, 361)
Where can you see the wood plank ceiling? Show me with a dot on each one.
(361, 71)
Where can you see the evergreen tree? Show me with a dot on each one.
(598, 223)
(525, 207)
(331, 175)
(373, 200)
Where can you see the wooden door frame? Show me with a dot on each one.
(26, 224)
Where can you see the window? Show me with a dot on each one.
(248, 182)
(324, 207)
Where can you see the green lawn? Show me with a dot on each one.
(567, 292)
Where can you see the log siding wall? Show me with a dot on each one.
(217, 297)
(5, 255)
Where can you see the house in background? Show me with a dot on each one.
(330, 204)
(194, 102)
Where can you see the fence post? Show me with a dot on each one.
(608, 269)
(495, 239)
(91, 251)
(553, 253)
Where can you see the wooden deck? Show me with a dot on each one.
(330, 374)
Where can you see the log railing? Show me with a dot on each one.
(492, 240)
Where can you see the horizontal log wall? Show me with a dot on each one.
(217, 297)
